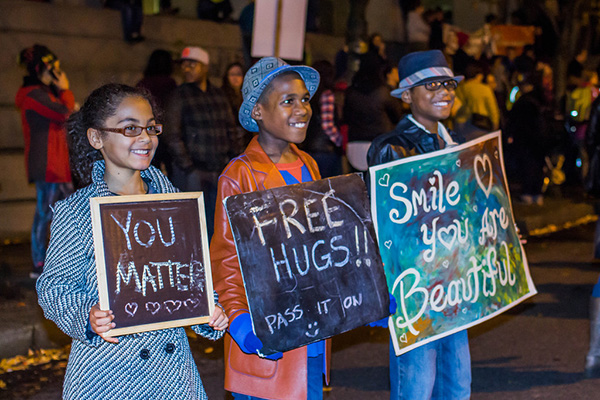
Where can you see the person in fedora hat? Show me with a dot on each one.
(442, 368)
(200, 130)
(276, 105)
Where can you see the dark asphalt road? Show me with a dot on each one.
(534, 351)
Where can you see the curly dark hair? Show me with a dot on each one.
(100, 105)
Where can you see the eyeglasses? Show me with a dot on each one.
(133, 131)
(437, 85)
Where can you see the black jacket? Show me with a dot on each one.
(406, 140)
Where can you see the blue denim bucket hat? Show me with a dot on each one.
(258, 78)
(420, 67)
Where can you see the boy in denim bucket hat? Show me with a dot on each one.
(276, 105)
(440, 369)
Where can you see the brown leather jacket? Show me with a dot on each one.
(249, 374)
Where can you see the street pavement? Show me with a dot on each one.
(534, 351)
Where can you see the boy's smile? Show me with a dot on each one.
(284, 114)
(429, 107)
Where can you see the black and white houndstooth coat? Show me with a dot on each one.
(150, 365)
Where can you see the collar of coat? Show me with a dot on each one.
(262, 164)
(152, 176)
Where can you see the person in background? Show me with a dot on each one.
(232, 86)
(369, 110)
(132, 18)
(479, 113)
(45, 102)
(214, 10)
(201, 133)
(377, 46)
(323, 138)
(526, 125)
(246, 21)
(440, 369)
(159, 82)
(417, 29)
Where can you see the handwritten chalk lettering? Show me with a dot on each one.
(489, 224)
(276, 321)
(480, 279)
(183, 277)
(147, 242)
(323, 307)
(417, 200)
(320, 257)
(312, 326)
(288, 210)
(447, 236)
(352, 301)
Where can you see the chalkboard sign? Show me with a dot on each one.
(152, 260)
(309, 260)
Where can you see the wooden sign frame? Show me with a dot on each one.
(97, 203)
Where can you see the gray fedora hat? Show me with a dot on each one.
(420, 67)
(258, 78)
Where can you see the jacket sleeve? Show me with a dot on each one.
(227, 275)
(63, 290)
(593, 129)
(173, 135)
(55, 109)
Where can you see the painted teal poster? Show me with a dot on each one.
(447, 237)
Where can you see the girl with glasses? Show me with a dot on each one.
(112, 140)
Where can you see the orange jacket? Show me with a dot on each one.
(249, 374)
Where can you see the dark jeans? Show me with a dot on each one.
(47, 194)
(131, 16)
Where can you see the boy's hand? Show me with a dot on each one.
(61, 82)
(219, 320)
(101, 322)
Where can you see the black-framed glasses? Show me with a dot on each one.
(437, 85)
(133, 130)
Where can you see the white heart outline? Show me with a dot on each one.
(191, 303)
(384, 180)
(176, 305)
(129, 306)
(446, 231)
(432, 180)
(388, 244)
(484, 161)
(446, 264)
(403, 338)
(154, 305)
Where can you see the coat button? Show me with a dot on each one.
(145, 354)
(170, 348)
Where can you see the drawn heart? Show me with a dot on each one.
(131, 308)
(475, 208)
(450, 238)
(172, 305)
(496, 154)
(388, 244)
(464, 310)
(446, 264)
(432, 180)
(458, 162)
(486, 165)
(384, 180)
(191, 303)
(152, 307)
(404, 338)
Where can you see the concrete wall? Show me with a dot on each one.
(89, 43)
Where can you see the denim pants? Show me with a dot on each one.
(315, 381)
(437, 370)
(46, 195)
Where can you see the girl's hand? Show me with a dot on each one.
(219, 320)
(101, 322)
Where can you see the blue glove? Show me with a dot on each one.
(383, 323)
(241, 331)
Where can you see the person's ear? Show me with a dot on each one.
(256, 112)
(406, 96)
(94, 138)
